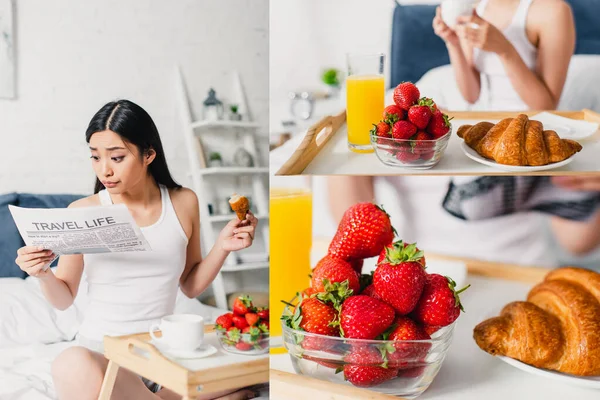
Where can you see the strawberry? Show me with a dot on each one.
(403, 130)
(324, 362)
(420, 115)
(381, 129)
(312, 315)
(243, 346)
(357, 265)
(263, 313)
(252, 318)
(367, 376)
(439, 125)
(400, 277)
(402, 354)
(427, 155)
(309, 291)
(363, 231)
(370, 291)
(239, 321)
(264, 326)
(335, 271)
(317, 343)
(439, 304)
(413, 372)
(225, 321)
(363, 317)
(394, 249)
(406, 157)
(241, 305)
(405, 95)
(393, 113)
(233, 335)
(430, 329)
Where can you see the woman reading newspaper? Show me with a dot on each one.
(130, 291)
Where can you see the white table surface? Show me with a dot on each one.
(336, 159)
(470, 373)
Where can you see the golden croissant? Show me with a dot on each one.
(240, 205)
(557, 328)
(517, 141)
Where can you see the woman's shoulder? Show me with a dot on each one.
(90, 201)
(548, 10)
(183, 199)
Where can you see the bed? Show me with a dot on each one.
(32, 333)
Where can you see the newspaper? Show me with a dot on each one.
(85, 230)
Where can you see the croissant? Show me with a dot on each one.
(557, 328)
(240, 205)
(517, 141)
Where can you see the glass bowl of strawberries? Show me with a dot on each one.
(245, 330)
(413, 133)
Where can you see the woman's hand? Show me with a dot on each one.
(238, 235)
(583, 183)
(442, 30)
(35, 261)
(479, 33)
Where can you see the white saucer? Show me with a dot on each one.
(566, 128)
(203, 351)
(473, 155)
(592, 382)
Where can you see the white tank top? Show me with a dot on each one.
(128, 292)
(418, 216)
(497, 92)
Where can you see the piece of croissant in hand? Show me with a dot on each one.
(557, 328)
(517, 141)
(240, 205)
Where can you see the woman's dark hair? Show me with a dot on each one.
(135, 125)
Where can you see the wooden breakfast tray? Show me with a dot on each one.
(324, 151)
(468, 372)
(188, 378)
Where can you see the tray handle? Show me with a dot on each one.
(314, 140)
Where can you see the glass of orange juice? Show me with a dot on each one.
(365, 92)
(290, 244)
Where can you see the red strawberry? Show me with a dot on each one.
(367, 376)
(403, 130)
(335, 271)
(324, 362)
(239, 321)
(233, 335)
(370, 291)
(381, 129)
(363, 232)
(393, 112)
(399, 279)
(406, 157)
(357, 266)
(439, 304)
(241, 305)
(252, 318)
(405, 95)
(225, 321)
(246, 329)
(394, 249)
(263, 313)
(312, 315)
(264, 326)
(431, 329)
(309, 291)
(243, 346)
(427, 155)
(317, 343)
(439, 125)
(413, 372)
(404, 354)
(363, 317)
(420, 115)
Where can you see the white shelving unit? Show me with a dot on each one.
(204, 180)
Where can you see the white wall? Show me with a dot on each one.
(74, 56)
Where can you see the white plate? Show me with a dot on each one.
(588, 382)
(203, 351)
(473, 155)
(566, 128)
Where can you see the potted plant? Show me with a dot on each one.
(331, 77)
(234, 115)
(215, 160)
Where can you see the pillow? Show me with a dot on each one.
(10, 240)
(581, 89)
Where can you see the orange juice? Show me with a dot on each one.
(290, 243)
(364, 107)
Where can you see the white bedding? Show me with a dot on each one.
(32, 334)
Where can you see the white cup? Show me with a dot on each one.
(452, 9)
(180, 331)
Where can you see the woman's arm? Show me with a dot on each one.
(577, 237)
(541, 89)
(200, 273)
(345, 191)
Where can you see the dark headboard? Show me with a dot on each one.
(416, 49)
(10, 239)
